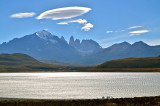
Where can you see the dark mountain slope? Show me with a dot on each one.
(150, 62)
(120, 51)
(85, 47)
(21, 62)
(41, 45)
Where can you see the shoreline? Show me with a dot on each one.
(149, 70)
(82, 71)
(98, 98)
(150, 100)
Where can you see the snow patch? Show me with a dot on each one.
(45, 35)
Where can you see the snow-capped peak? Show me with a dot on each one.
(46, 36)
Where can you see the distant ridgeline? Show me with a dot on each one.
(21, 62)
(148, 64)
(43, 45)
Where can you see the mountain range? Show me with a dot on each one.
(43, 45)
(122, 50)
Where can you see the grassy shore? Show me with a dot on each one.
(136, 101)
(121, 70)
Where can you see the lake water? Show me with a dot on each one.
(78, 85)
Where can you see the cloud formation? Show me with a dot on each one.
(115, 31)
(109, 31)
(80, 21)
(23, 15)
(154, 42)
(87, 27)
(133, 27)
(138, 32)
(63, 13)
(131, 30)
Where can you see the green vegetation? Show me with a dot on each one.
(151, 64)
(24, 63)
(137, 101)
(20, 63)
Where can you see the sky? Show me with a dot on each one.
(105, 21)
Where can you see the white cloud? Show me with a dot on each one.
(80, 21)
(135, 34)
(63, 13)
(87, 27)
(23, 15)
(109, 31)
(115, 31)
(154, 42)
(139, 32)
(133, 27)
(126, 29)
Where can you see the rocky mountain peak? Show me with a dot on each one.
(44, 34)
(89, 44)
(43, 45)
(77, 41)
(71, 41)
(63, 39)
(140, 43)
(125, 43)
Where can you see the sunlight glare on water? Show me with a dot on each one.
(78, 85)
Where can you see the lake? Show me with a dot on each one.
(78, 85)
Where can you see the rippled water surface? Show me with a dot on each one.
(78, 85)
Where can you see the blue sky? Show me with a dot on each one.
(105, 21)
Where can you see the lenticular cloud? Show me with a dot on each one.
(63, 13)
(80, 21)
(23, 15)
(87, 26)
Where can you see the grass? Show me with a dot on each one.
(23, 63)
(136, 101)
(121, 70)
(151, 64)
